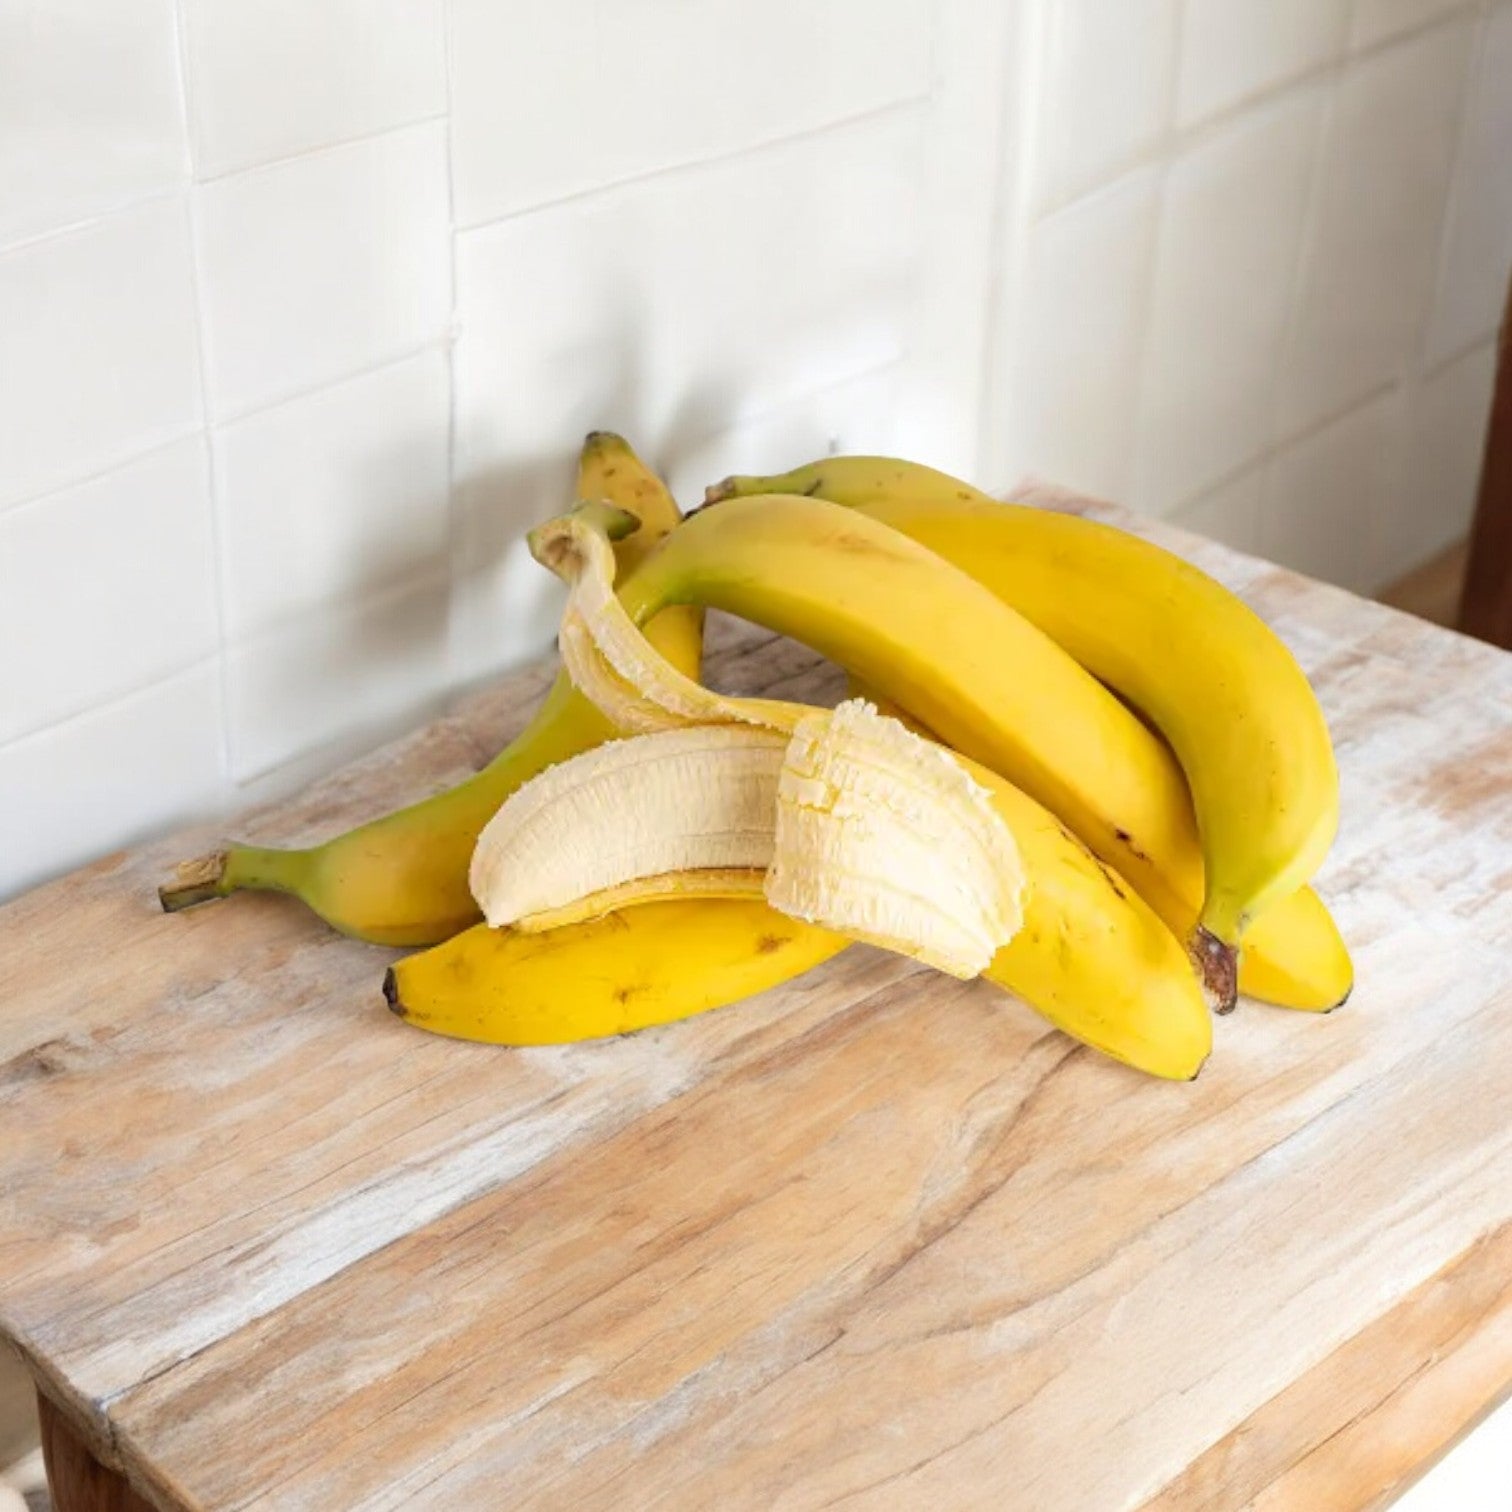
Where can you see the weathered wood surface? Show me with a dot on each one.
(876, 1238)
(77, 1481)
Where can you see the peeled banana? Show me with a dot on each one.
(402, 879)
(1212, 676)
(949, 652)
(1090, 955)
(851, 822)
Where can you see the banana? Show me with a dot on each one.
(1090, 955)
(1240, 715)
(652, 964)
(934, 641)
(850, 822)
(402, 879)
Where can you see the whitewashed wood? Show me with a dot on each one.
(877, 1237)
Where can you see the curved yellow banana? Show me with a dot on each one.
(1240, 715)
(1091, 956)
(938, 643)
(652, 964)
(1292, 955)
(402, 879)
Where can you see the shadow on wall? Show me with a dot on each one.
(506, 606)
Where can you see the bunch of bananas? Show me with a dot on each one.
(1097, 778)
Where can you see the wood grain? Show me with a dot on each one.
(77, 1481)
(875, 1239)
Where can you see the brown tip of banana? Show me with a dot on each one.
(1217, 967)
(717, 493)
(196, 881)
(1348, 993)
(391, 992)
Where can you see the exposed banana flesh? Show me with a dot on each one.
(886, 837)
(402, 879)
(1238, 712)
(678, 805)
(852, 823)
(1090, 956)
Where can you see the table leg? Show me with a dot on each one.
(77, 1481)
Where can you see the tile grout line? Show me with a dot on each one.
(371, 597)
(220, 572)
(1469, 349)
(234, 417)
(154, 196)
(696, 165)
(1307, 234)
(1185, 139)
(111, 700)
(1416, 371)
(1160, 167)
(211, 423)
(1473, 72)
(320, 149)
(1018, 139)
(454, 523)
(1267, 453)
(116, 464)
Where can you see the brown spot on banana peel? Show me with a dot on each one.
(1125, 838)
(1114, 881)
(769, 943)
(1217, 967)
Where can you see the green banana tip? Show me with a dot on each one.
(717, 493)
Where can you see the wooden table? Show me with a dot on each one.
(876, 1239)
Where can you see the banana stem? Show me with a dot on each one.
(1217, 968)
(223, 872)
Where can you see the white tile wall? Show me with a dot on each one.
(1233, 50)
(1321, 505)
(303, 310)
(105, 586)
(1377, 21)
(1077, 371)
(1224, 265)
(324, 265)
(91, 113)
(1477, 260)
(97, 357)
(1383, 187)
(1107, 89)
(606, 310)
(1443, 438)
(349, 668)
(336, 493)
(113, 775)
(280, 77)
(555, 100)
(1231, 512)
